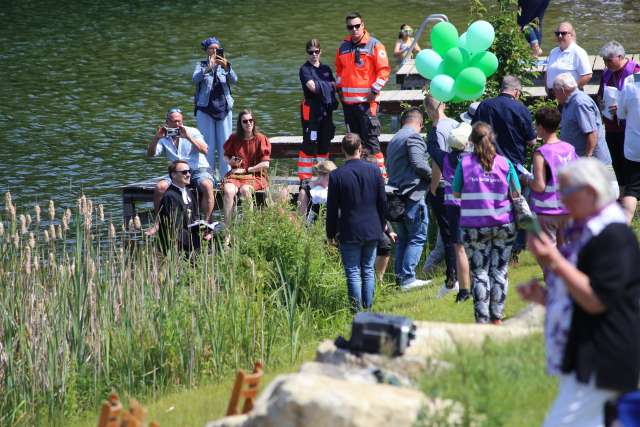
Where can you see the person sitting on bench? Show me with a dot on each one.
(313, 194)
(248, 153)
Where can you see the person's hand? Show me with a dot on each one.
(543, 249)
(613, 109)
(532, 291)
(212, 63)
(235, 162)
(222, 61)
(393, 236)
(161, 132)
(183, 132)
(371, 96)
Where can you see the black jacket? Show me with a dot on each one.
(175, 217)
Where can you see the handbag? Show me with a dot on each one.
(395, 204)
(523, 215)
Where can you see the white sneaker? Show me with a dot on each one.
(415, 284)
(443, 291)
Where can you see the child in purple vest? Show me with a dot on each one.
(547, 159)
(481, 182)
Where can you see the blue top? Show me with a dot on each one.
(580, 116)
(407, 164)
(456, 186)
(511, 121)
(356, 202)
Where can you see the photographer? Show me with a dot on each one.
(179, 142)
(213, 102)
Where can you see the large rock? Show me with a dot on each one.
(309, 400)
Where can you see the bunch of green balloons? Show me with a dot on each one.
(458, 67)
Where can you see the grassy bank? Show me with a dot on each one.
(83, 316)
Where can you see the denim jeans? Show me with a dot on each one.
(412, 235)
(359, 259)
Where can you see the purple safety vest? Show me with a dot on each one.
(556, 155)
(448, 172)
(484, 200)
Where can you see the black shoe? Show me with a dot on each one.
(462, 296)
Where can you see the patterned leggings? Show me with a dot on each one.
(489, 251)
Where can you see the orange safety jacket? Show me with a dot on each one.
(357, 75)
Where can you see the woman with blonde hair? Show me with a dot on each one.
(482, 182)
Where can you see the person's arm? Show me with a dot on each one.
(199, 73)
(265, 149)
(436, 174)
(307, 80)
(584, 79)
(417, 153)
(456, 185)
(332, 208)
(196, 140)
(417, 48)
(577, 283)
(592, 141)
(588, 125)
(381, 200)
(232, 77)
(539, 181)
(382, 69)
(584, 68)
(153, 149)
(397, 52)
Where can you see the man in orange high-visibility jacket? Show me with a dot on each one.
(362, 70)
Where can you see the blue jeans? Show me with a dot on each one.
(412, 235)
(359, 259)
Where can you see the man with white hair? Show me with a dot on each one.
(581, 124)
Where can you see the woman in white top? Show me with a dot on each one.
(568, 57)
(404, 42)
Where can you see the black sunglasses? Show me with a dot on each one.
(245, 121)
(561, 33)
(185, 172)
(314, 52)
(354, 27)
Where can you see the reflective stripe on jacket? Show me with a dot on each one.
(361, 68)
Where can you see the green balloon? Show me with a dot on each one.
(442, 87)
(427, 63)
(454, 61)
(486, 61)
(470, 83)
(444, 36)
(480, 36)
(462, 40)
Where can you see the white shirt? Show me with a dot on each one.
(629, 109)
(185, 151)
(573, 59)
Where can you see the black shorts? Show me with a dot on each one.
(384, 245)
(632, 178)
(615, 142)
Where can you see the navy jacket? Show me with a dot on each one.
(356, 202)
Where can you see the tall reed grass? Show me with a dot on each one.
(83, 309)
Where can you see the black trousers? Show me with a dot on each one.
(317, 135)
(439, 209)
(359, 120)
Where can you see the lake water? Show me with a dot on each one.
(83, 84)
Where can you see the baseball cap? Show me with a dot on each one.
(468, 115)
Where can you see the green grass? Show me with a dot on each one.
(92, 312)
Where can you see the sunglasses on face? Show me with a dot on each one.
(354, 27)
(185, 172)
(561, 33)
(314, 52)
(246, 121)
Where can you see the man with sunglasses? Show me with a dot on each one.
(179, 142)
(568, 57)
(177, 210)
(362, 70)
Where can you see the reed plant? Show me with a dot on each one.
(86, 308)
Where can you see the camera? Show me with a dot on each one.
(172, 132)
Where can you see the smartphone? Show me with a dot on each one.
(220, 52)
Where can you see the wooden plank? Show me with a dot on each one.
(598, 65)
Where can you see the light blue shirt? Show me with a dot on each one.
(580, 116)
(184, 151)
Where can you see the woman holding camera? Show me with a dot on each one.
(405, 40)
(213, 102)
(248, 152)
(592, 298)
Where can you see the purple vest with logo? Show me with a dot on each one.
(448, 172)
(484, 200)
(555, 155)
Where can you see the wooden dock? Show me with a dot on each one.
(282, 147)
(409, 78)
